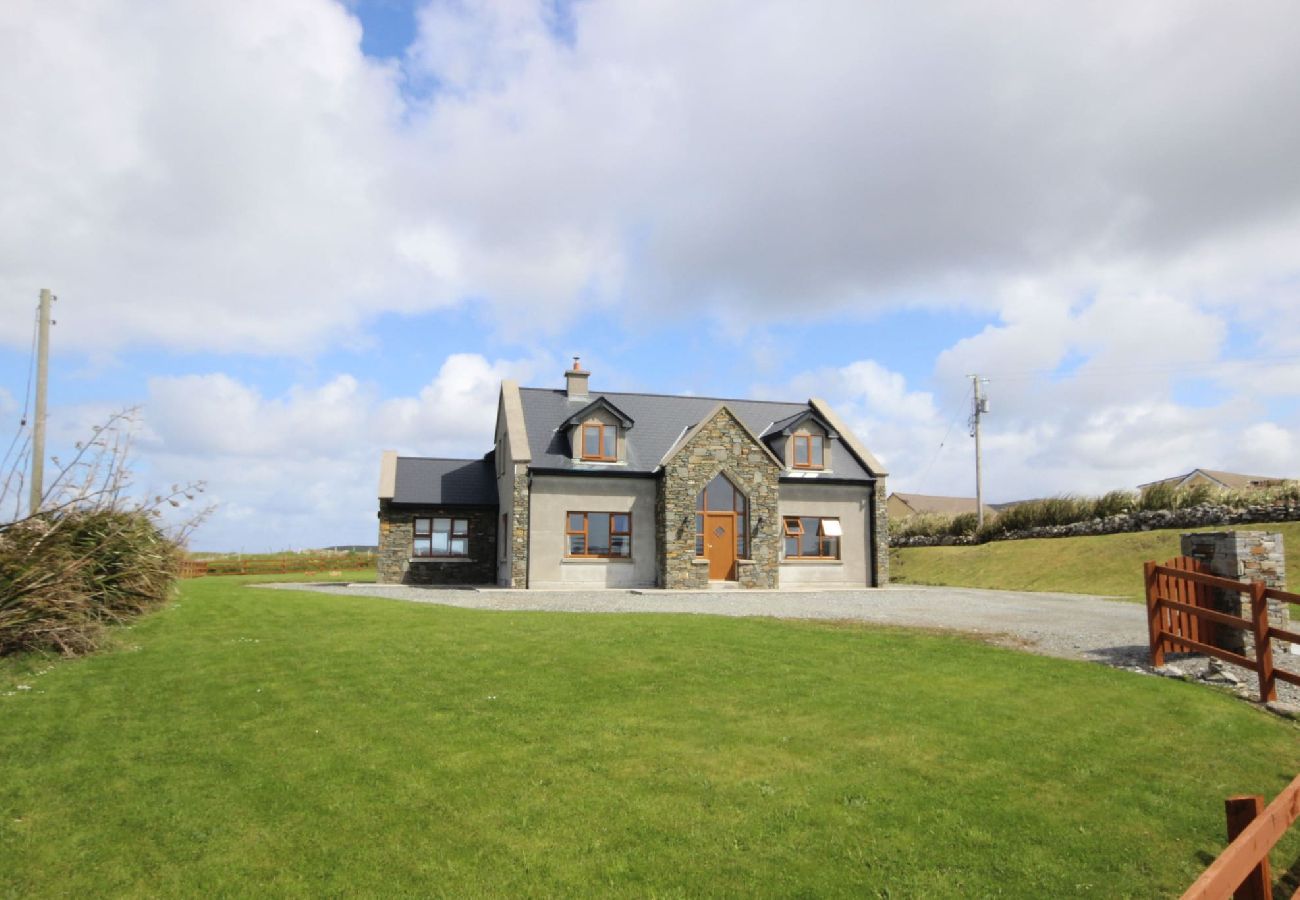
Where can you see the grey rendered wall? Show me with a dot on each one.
(553, 496)
(849, 503)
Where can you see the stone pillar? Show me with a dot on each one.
(1245, 556)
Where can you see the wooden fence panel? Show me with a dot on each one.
(1239, 865)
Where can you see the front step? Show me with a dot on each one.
(724, 585)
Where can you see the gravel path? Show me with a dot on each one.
(1072, 626)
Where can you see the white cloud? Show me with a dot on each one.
(301, 469)
(239, 176)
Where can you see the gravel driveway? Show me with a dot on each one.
(1072, 626)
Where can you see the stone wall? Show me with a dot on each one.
(722, 445)
(880, 535)
(1145, 520)
(396, 543)
(519, 529)
(1245, 556)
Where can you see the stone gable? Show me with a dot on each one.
(721, 444)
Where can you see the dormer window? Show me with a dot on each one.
(600, 442)
(808, 451)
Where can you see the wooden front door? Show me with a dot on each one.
(720, 545)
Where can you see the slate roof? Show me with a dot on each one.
(447, 482)
(1231, 480)
(660, 420)
(946, 506)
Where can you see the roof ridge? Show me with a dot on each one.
(675, 396)
(482, 458)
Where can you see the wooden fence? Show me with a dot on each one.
(279, 565)
(1180, 616)
(1242, 869)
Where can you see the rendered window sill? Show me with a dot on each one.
(812, 562)
(588, 560)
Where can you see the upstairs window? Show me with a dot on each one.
(598, 534)
(811, 537)
(600, 442)
(808, 451)
(441, 537)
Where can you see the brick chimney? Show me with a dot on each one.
(575, 381)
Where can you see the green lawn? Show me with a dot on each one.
(254, 742)
(1107, 564)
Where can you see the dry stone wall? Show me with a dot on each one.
(1145, 520)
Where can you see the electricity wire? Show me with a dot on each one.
(947, 434)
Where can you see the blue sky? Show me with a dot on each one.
(334, 227)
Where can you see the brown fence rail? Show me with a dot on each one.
(281, 565)
(1242, 869)
(1179, 617)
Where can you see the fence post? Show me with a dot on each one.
(1153, 616)
(1241, 811)
(1263, 646)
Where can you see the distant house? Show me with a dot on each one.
(902, 506)
(590, 489)
(1232, 481)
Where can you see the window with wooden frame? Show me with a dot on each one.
(598, 535)
(812, 537)
(600, 442)
(440, 537)
(808, 451)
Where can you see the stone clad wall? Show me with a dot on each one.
(519, 529)
(880, 535)
(1244, 556)
(396, 534)
(722, 445)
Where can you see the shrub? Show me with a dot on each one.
(926, 525)
(89, 557)
(1113, 503)
(66, 575)
(963, 525)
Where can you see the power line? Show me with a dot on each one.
(947, 434)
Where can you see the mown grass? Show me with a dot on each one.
(254, 742)
(1109, 565)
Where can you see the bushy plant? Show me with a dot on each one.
(925, 525)
(1158, 496)
(88, 557)
(963, 525)
(1113, 503)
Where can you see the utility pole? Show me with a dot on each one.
(979, 406)
(42, 387)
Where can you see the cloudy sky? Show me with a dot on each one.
(298, 232)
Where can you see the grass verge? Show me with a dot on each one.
(1109, 565)
(265, 742)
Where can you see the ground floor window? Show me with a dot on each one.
(437, 536)
(812, 537)
(598, 534)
